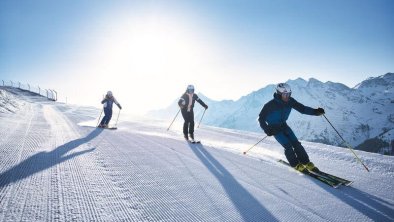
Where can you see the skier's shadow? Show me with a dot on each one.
(369, 205)
(45, 160)
(249, 207)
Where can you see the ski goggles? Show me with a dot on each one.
(190, 90)
(286, 94)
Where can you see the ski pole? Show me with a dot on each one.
(347, 144)
(116, 123)
(99, 118)
(254, 145)
(173, 120)
(201, 118)
(100, 113)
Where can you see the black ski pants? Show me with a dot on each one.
(107, 116)
(188, 125)
(294, 151)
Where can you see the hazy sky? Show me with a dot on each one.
(147, 52)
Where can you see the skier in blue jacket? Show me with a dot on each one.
(273, 118)
(186, 103)
(108, 102)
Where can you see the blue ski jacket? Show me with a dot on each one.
(109, 101)
(274, 114)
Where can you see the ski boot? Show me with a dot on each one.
(311, 167)
(300, 167)
(192, 138)
(186, 137)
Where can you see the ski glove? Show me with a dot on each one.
(272, 131)
(206, 106)
(120, 107)
(268, 132)
(319, 111)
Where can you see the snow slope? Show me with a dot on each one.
(55, 167)
(8, 103)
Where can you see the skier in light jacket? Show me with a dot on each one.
(186, 103)
(108, 102)
(273, 118)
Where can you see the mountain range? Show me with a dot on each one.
(363, 115)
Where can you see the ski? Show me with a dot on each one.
(329, 181)
(194, 141)
(109, 128)
(342, 180)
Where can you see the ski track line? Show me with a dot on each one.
(17, 208)
(257, 185)
(36, 182)
(119, 180)
(7, 132)
(187, 214)
(119, 177)
(149, 201)
(15, 187)
(300, 210)
(316, 188)
(240, 165)
(96, 191)
(174, 165)
(117, 204)
(79, 201)
(29, 142)
(55, 200)
(110, 200)
(255, 169)
(124, 206)
(198, 162)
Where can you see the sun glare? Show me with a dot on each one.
(150, 61)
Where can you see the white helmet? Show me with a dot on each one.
(190, 89)
(109, 93)
(283, 88)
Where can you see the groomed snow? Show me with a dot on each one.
(54, 166)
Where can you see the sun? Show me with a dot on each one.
(150, 48)
(149, 60)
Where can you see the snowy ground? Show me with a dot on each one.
(54, 167)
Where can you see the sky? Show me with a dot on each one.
(147, 52)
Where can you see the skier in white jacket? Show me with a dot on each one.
(108, 102)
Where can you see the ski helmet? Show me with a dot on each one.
(283, 88)
(190, 89)
(109, 93)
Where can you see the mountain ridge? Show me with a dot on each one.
(360, 113)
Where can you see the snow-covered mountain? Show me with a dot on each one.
(361, 114)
